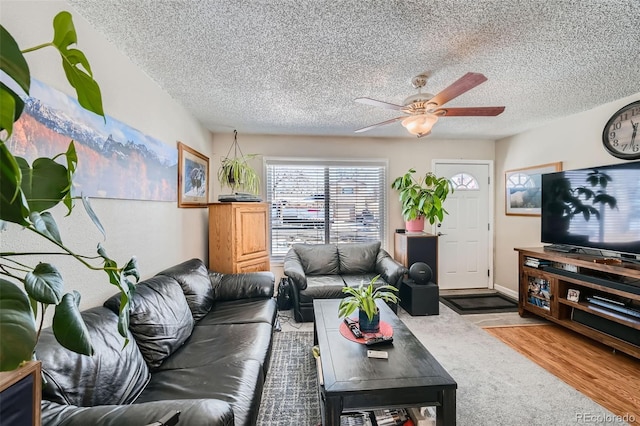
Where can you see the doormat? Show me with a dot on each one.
(484, 303)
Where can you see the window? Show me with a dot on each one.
(317, 202)
(464, 181)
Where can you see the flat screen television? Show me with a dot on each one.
(596, 208)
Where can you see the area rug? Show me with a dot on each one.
(496, 384)
(482, 303)
(290, 395)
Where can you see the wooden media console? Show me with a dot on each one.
(580, 292)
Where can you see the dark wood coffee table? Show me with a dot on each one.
(351, 381)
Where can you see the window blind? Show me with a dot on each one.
(317, 202)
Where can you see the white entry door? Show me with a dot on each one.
(465, 252)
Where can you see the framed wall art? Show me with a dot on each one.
(523, 189)
(193, 177)
(115, 160)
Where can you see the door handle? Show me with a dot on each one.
(440, 234)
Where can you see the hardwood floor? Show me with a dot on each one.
(611, 379)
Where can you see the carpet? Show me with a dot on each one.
(482, 303)
(496, 384)
(290, 395)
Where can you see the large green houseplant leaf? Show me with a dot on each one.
(27, 193)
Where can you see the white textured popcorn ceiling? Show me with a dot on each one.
(295, 66)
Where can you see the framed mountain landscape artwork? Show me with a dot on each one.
(114, 159)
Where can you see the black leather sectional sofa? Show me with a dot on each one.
(320, 271)
(199, 343)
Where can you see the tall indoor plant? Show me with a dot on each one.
(27, 194)
(422, 198)
(364, 299)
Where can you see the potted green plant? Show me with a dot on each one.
(28, 192)
(364, 299)
(236, 173)
(422, 198)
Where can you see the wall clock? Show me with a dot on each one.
(621, 134)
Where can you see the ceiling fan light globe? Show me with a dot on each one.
(419, 124)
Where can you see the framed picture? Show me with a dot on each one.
(573, 295)
(523, 189)
(193, 177)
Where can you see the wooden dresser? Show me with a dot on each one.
(239, 237)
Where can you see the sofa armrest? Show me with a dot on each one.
(294, 270)
(193, 412)
(391, 270)
(245, 286)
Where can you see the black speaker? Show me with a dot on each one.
(604, 325)
(420, 272)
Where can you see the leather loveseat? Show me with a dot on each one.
(320, 271)
(199, 343)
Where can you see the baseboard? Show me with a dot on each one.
(506, 291)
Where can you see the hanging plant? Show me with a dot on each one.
(236, 173)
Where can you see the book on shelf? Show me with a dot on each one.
(355, 419)
(534, 262)
(538, 292)
(391, 417)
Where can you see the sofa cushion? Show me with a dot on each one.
(209, 345)
(357, 258)
(322, 287)
(160, 318)
(193, 277)
(239, 383)
(318, 259)
(244, 311)
(114, 374)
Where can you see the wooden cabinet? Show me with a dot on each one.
(599, 300)
(20, 395)
(410, 247)
(239, 237)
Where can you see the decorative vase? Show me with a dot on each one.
(415, 225)
(369, 326)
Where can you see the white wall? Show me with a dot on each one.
(401, 153)
(577, 142)
(158, 233)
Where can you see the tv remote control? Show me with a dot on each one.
(353, 327)
(377, 354)
(378, 340)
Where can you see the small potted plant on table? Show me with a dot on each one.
(364, 298)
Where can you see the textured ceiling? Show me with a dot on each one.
(295, 66)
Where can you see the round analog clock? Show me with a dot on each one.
(621, 135)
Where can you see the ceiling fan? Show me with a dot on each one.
(424, 109)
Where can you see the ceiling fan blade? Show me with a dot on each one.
(393, 120)
(373, 102)
(469, 111)
(463, 84)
